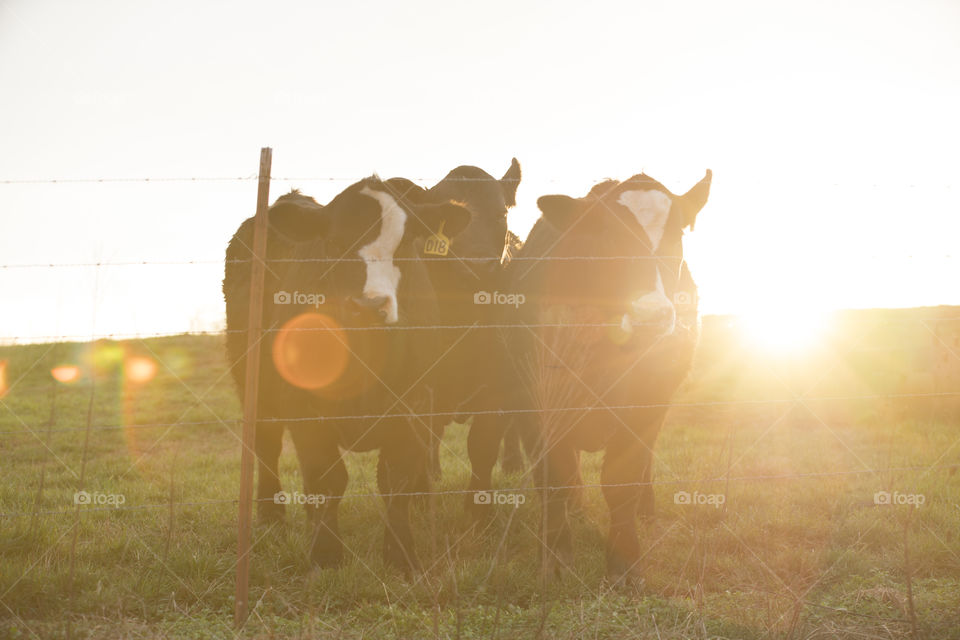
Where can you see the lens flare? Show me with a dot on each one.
(3, 378)
(140, 369)
(310, 351)
(66, 373)
(104, 357)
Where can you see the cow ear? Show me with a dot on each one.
(298, 223)
(407, 190)
(427, 219)
(692, 201)
(559, 210)
(509, 183)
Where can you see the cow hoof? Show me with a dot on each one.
(557, 562)
(407, 564)
(628, 583)
(327, 558)
(559, 556)
(478, 512)
(270, 514)
(326, 554)
(621, 575)
(326, 549)
(400, 556)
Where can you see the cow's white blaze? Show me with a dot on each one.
(651, 208)
(383, 277)
(655, 307)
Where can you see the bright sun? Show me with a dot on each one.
(783, 330)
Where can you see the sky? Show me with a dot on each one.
(831, 129)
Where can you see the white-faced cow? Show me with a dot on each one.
(612, 310)
(340, 280)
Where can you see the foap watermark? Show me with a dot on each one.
(285, 497)
(498, 497)
(299, 297)
(99, 499)
(498, 297)
(685, 497)
(897, 498)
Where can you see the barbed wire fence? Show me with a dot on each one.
(248, 421)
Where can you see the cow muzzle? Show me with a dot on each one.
(382, 308)
(651, 311)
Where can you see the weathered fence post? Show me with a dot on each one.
(251, 387)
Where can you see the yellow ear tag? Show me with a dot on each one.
(437, 244)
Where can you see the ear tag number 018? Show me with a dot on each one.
(437, 244)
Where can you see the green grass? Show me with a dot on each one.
(806, 555)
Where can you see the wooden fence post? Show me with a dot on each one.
(251, 388)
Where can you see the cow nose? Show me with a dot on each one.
(655, 309)
(378, 304)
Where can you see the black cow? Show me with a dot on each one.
(613, 315)
(465, 280)
(340, 279)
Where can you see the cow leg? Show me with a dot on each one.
(562, 470)
(400, 470)
(645, 501)
(324, 482)
(621, 465)
(483, 444)
(267, 445)
(648, 437)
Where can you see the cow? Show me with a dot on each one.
(611, 327)
(465, 278)
(342, 281)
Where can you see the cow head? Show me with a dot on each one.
(482, 241)
(634, 231)
(369, 230)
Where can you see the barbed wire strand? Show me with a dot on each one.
(458, 327)
(131, 179)
(524, 489)
(508, 412)
(353, 178)
(207, 262)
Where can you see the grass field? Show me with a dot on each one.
(796, 444)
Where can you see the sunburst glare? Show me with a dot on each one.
(783, 330)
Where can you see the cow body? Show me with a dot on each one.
(612, 328)
(337, 368)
